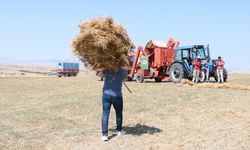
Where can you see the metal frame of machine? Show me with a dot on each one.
(155, 61)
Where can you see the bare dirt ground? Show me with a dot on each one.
(65, 113)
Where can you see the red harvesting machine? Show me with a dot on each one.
(154, 61)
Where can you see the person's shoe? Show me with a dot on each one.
(122, 132)
(105, 138)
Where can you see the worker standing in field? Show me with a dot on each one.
(112, 95)
(207, 64)
(196, 69)
(219, 69)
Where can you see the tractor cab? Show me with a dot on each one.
(189, 53)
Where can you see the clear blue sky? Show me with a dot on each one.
(31, 30)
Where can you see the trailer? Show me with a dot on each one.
(67, 69)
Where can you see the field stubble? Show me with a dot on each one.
(65, 113)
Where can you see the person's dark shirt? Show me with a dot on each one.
(113, 82)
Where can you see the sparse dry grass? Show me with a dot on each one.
(65, 113)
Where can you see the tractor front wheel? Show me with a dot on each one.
(139, 78)
(176, 72)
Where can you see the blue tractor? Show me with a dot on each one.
(182, 65)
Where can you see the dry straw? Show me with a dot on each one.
(186, 83)
(103, 44)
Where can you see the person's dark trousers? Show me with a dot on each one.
(117, 102)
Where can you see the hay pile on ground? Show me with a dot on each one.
(223, 86)
(102, 44)
(186, 83)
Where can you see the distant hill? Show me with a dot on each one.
(42, 63)
(10, 67)
(29, 62)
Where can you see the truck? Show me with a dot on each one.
(67, 69)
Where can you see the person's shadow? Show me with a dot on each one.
(137, 130)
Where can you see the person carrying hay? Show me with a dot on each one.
(104, 45)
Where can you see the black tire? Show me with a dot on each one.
(215, 76)
(157, 79)
(139, 78)
(225, 74)
(129, 78)
(176, 72)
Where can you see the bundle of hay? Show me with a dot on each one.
(102, 44)
(224, 86)
(186, 82)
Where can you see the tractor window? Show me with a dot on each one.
(185, 54)
(193, 55)
(178, 55)
(201, 53)
(207, 52)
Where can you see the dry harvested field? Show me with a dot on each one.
(15, 70)
(65, 113)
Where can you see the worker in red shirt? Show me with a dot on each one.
(197, 69)
(219, 69)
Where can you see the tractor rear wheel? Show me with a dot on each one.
(176, 72)
(224, 75)
(139, 78)
(215, 76)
